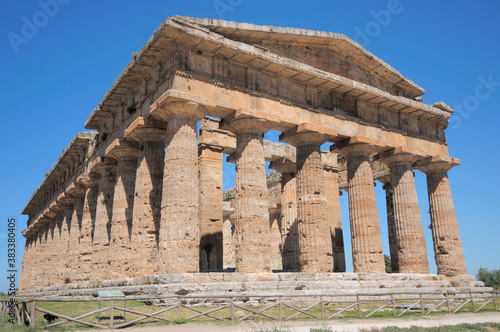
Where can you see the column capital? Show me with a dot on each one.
(215, 148)
(87, 180)
(76, 189)
(49, 213)
(284, 166)
(120, 149)
(146, 130)
(330, 161)
(307, 132)
(358, 145)
(65, 199)
(102, 165)
(165, 110)
(56, 206)
(398, 155)
(244, 121)
(436, 164)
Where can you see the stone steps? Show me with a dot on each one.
(285, 284)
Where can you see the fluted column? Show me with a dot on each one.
(120, 248)
(147, 205)
(78, 192)
(448, 250)
(391, 224)
(252, 230)
(289, 224)
(91, 183)
(315, 242)
(410, 240)
(64, 266)
(106, 168)
(43, 255)
(179, 225)
(365, 229)
(56, 260)
(331, 173)
(25, 278)
(211, 210)
(50, 254)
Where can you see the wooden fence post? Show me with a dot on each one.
(111, 313)
(33, 314)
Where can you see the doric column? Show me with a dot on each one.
(78, 192)
(252, 239)
(179, 227)
(106, 168)
(120, 248)
(43, 261)
(91, 183)
(56, 259)
(391, 224)
(211, 210)
(25, 278)
(410, 240)
(228, 234)
(289, 223)
(331, 172)
(147, 205)
(50, 254)
(447, 244)
(365, 229)
(315, 242)
(63, 267)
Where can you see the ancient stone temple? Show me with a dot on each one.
(141, 193)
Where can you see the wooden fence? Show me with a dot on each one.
(318, 307)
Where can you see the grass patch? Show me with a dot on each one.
(74, 309)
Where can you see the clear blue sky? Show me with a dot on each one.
(51, 79)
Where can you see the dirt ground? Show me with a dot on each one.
(347, 326)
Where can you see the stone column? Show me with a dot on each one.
(64, 266)
(331, 173)
(147, 205)
(315, 242)
(179, 227)
(366, 241)
(411, 250)
(252, 231)
(78, 192)
(120, 248)
(447, 244)
(289, 223)
(56, 258)
(25, 278)
(228, 236)
(44, 257)
(106, 168)
(50, 254)
(211, 210)
(91, 183)
(391, 224)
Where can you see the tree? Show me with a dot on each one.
(491, 278)
(387, 261)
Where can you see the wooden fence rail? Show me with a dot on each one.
(454, 301)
